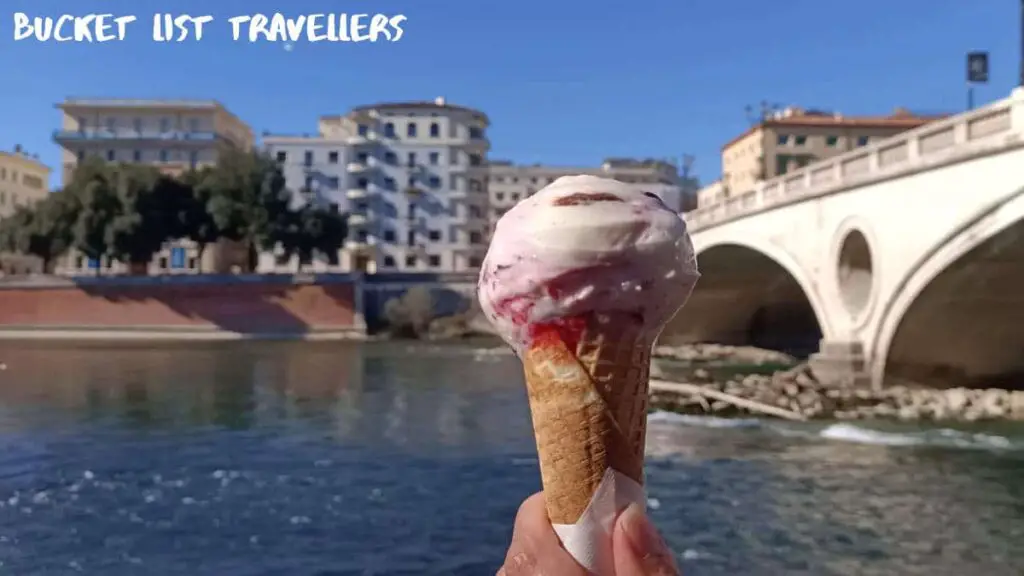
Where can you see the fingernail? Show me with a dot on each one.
(646, 542)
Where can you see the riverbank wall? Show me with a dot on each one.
(211, 306)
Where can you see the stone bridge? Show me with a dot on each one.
(903, 260)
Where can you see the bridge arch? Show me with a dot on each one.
(751, 294)
(957, 317)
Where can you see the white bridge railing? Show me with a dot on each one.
(995, 127)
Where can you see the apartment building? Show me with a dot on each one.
(795, 137)
(173, 135)
(24, 180)
(411, 176)
(509, 183)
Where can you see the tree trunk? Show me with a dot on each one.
(200, 250)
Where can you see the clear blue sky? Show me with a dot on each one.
(564, 81)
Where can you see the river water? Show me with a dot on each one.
(345, 459)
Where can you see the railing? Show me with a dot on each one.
(992, 128)
(133, 135)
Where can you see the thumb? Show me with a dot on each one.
(638, 548)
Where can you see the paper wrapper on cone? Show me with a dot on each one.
(588, 401)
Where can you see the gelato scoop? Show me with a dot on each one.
(580, 279)
(584, 245)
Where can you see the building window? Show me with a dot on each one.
(111, 124)
(475, 238)
(500, 196)
(362, 183)
(474, 261)
(363, 130)
(137, 124)
(435, 130)
(193, 158)
(389, 261)
(475, 160)
(362, 235)
(412, 182)
(410, 130)
(333, 182)
(783, 139)
(411, 160)
(308, 184)
(362, 158)
(434, 158)
(389, 183)
(282, 157)
(308, 158)
(434, 260)
(136, 156)
(389, 130)
(831, 141)
(410, 238)
(800, 140)
(110, 155)
(515, 197)
(193, 125)
(332, 157)
(390, 158)
(389, 235)
(474, 211)
(434, 182)
(453, 157)
(474, 185)
(862, 140)
(81, 124)
(410, 261)
(476, 133)
(165, 124)
(434, 235)
(163, 155)
(333, 207)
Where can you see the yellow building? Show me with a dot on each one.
(794, 137)
(173, 135)
(24, 180)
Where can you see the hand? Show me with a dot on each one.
(535, 550)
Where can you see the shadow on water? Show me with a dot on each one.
(279, 458)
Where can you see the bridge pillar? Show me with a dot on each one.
(840, 364)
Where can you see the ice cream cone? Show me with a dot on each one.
(588, 400)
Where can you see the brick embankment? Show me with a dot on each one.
(181, 308)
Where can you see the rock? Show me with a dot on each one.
(911, 412)
(956, 399)
(701, 374)
(1016, 405)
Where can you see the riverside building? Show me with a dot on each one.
(412, 177)
(24, 180)
(509, 183)
(173, 135)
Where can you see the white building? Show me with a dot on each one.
(509, 183)
(411, 176)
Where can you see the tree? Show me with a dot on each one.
(247, 199)
(94, 187)
(44, 230)
(193, 219)
(313, 229)
(146, 212)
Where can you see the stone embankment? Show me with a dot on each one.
(796, 391)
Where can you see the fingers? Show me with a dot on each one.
(638, 548)
(535, 548)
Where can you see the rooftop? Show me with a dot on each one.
(794, 116)
(438, 103)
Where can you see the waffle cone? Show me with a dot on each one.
(588, 401)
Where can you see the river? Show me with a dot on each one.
(390, 459)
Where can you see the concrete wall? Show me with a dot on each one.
(212, 307)
(451, 293)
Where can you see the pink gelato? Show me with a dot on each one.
(585, 245)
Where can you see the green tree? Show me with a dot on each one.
(246, 198)
(193, 219)
(313, 229)
(146, 212)
(44, 230)
(94, 187)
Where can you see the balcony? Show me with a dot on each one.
(357, 166)
(356, 193)
(108, 136)
(360, 139)
(357, 219)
